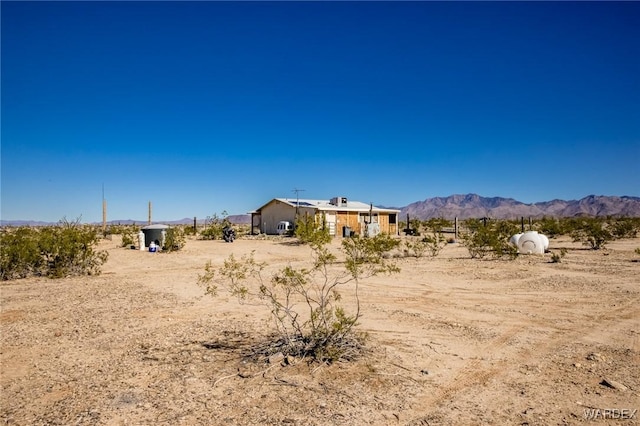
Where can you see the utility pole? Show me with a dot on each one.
(297, 191)
(149, 212)
(104, 213)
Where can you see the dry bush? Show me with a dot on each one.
(324, 330)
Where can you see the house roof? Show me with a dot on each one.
(325, 205)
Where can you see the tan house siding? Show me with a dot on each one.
(273, 213)
(349, 219)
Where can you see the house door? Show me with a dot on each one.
(331, 223)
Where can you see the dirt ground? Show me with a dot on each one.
(453, 340)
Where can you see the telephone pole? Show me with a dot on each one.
(104, 213)
(297, 191)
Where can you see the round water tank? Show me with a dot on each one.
(531, 243)
(154, 233)
(514, 240)
(545, 242)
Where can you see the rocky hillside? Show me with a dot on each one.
(473, 205)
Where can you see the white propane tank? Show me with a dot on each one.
(514, 240)
(545, 242)
(141, 239)
(531, 243)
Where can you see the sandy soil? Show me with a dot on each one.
(453, 341)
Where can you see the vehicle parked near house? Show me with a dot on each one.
(284, 228)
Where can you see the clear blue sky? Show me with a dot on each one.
(201, 107)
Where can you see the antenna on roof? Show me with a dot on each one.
(297, 191)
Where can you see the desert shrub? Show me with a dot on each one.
(20, 253)
(174, 239)
(188, 230)
(435, 243)
(242, 229)
(417, 247)
(550, 227)
(69, 249)
(129, 236)
(322, 329)
(592, 232)
(491, 237)
(57, 251)
(414, 247)
(556, 257)
(311, 229)
(119, 229)
(214, 226)
(624, 227)
(413, 227)
(437, 224)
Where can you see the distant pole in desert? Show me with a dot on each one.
(455, 227)
(149, 222)
(521, 223)
(104, 216)
(104, 213)
(195, 224)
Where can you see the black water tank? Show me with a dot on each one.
(154, 233)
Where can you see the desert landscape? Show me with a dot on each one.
(451, 340)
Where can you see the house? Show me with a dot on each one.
(343, 217)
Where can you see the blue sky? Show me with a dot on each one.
(203, 107)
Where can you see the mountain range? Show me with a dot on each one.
(462, 206)
(474, 206)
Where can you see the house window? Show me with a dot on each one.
(392, 218)
(364, 217)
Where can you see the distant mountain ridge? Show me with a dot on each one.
(462, 206)
(239, 219)
(465, 206)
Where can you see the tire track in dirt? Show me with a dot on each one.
(473, 374)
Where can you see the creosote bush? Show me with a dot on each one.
(414, 247)
(557, 257)
(435, 243)
(592, 232)
(214, 226)
(129, 236)
(58, 251)
(174, 239)
(311, 229)
(417, 247)
(551, 227)
(306, 304)
(625, 227)
(489, 238)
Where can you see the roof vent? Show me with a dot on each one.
(339, 201)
